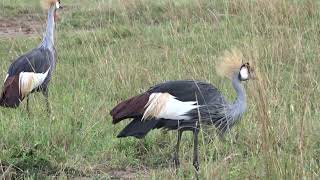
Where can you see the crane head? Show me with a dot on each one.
(58, 5)
(232, 66)
(246, 72)
(47, 4)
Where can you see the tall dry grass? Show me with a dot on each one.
(111, 50)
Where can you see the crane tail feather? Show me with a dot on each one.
(138, 128)
(10, 93)
(130, 108)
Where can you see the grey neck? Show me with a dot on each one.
(48, 40)
(240, 104)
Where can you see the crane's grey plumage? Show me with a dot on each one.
(32, 71)
(184, 105)
(48, 40)
(221, 113)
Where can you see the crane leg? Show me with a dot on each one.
(176, 153)
(45, 93)
(195, 149)
(28, 109)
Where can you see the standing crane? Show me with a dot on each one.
(32, 71)
(186, 104)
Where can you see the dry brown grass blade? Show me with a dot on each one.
(259, 95)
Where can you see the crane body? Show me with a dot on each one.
(183, 105)
(32, 71)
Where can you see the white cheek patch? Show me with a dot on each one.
(244, 73)
(164, 105)
(57, 5)
(28, 81)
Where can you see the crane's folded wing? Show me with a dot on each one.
(36, 61)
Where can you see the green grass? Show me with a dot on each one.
(111, 50)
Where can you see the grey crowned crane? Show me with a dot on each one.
(185, 104)
(32, 71)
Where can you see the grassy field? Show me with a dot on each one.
(111, 50)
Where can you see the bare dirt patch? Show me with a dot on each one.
(9, 171)
(117, 173)
(20, 26)
(126, 173)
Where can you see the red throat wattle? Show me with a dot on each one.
(56, 16)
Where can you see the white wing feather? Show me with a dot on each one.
(164, 105)
(28, 81)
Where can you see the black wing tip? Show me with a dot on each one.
(5, 105)
(113, 113)
(138, 136)
(120, 135)
(11, 102)
(114, 121)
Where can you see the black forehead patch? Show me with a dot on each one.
(245, 65)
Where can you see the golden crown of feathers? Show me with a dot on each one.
(230, 63)
(46, 4)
